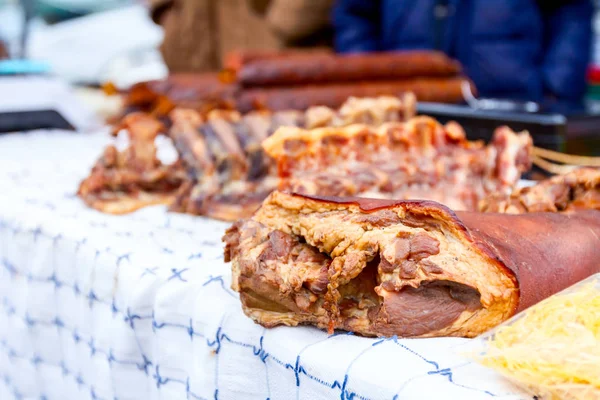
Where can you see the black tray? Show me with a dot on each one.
(20, 121)
(574, 131)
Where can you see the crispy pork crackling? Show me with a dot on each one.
(406, 268)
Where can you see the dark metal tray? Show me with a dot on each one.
(20, 121)
(575, 131)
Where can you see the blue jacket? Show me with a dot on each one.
(520, 49)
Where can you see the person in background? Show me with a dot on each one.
(536, 50)
(198, 33)
(3, 50)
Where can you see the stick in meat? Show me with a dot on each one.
(405, 268)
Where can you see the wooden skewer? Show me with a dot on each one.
(566, 158)
(551, 167)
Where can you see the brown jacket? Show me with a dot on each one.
(198, 33)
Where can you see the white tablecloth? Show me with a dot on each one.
(140, 307)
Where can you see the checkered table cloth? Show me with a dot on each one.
(140, 307)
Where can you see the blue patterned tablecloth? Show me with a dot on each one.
(140, 307)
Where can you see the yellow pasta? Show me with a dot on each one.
(552, 349)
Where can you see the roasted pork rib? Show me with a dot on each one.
(222, 151)
(418, 159)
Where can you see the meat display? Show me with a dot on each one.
(124, 181)
(417, 159)
(576, 190)
(405, 268)
(229, 173)
(229, 162)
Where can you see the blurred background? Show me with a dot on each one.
(94, 41)
(522, 58)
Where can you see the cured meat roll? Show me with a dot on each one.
(441, 90)
(322, 68)
(406, 268)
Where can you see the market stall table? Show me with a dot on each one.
(94, 306)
